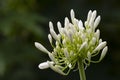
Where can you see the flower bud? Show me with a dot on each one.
(51, 25)
(66, 24)
(45, 65)
(89, 15)
(100, 46)
(54, 35)
(41, 47)
(91, 23)
(50, 38)
(104, 51)
(80, 25)
(97, 21)
(59, 27)
(72, 14)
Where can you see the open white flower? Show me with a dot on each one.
(75, 41)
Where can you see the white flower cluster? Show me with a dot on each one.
(74, 42)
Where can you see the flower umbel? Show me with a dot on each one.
(75, 42)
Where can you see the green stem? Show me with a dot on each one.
(81, 70)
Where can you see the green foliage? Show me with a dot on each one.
(19, 27)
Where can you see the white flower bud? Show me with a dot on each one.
(104, 51)
(54, 35)
(91, 23)
(51, 25)
(50, 38)
(41, 47)
(66, 24)
(100, 46)
(80, 25)
(59, 27)
(97, 34)
(94, 13)
(72, 14)
(89, 15)
(97, 21)
(45, 65)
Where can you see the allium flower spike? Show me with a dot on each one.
(74, 43)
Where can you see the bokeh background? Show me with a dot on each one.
(22, 22)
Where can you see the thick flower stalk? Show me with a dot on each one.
(75, 44)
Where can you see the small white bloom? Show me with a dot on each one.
(97, 34)
(66, 24)
(45, 65)
(100, 46)
(59, 27)
(72, 14)
(80, 25)
(91, 23)
(97, 21)
(104, 51)
(50, 38)
(54, 35)
(51, 25)
(89, 15)
(41, 47)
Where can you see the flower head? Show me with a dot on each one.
(75, 41)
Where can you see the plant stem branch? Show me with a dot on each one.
(81, 70)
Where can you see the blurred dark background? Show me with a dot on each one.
(22, 22)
